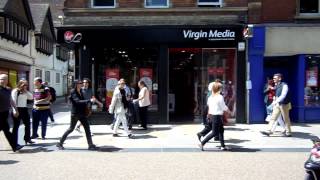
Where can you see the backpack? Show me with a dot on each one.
(53, 94)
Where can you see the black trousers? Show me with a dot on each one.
(217, 130)
(73, 123)
(25, 117)
(143, 116)
(4, 126)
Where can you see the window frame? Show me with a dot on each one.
(93, 6)
(157, 6)
(309, 14)
(210, 3)
(47, 76)
(38, 72)
(58, 78)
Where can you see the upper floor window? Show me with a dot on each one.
(44, 45)
(210, 2)
(309, 6)
(13, 30)
(103, 3)
(156, 3)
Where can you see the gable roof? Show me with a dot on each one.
(42, 18)
(18, 9)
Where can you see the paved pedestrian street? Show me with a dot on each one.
(165, 151)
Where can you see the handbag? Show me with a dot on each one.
(87, 111)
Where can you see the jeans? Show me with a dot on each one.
(37, 116)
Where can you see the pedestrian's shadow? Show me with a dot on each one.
(101, 134)
(231, 141)
(235, 148)
(228, 128)
(300, 135)
(142, 136)
(304, 135)
(108, 149)
(58, 138)
(8, 162)
(34, 150)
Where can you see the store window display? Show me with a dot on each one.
(311, 90)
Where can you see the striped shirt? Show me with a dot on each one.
(40, 96)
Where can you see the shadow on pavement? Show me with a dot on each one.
(137, 136)
(236, 141)
(8, 162)
(35, 150)
(235, 148)
(303, 135)
(228, 128)
(101, 134)
(108, 149)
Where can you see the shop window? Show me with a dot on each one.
(13, 78)
(312, 85)
(103, 3)
(39, 73)
(57, 78)
(47, 76)
(309, 6)
(156, 3)
(210, 2)
(190, 72)
(132, 64)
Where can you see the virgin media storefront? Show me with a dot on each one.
(176, 62)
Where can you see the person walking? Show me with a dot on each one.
(144, 103)
(217, 107)
(118, 107)
(79, 104)
(41, 108)
(207, 125)
(87, 95)
(5, 103)
(52, 100)
(281, 106)
(20, 96)
(269, 96)
(269, 92)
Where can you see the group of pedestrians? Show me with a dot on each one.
(16, 100)
(82, 98)
(278, 105)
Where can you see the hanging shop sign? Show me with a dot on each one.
(112, 77)
(70, 37)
